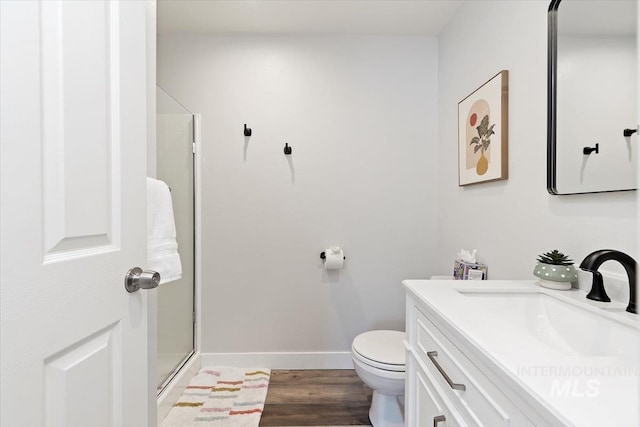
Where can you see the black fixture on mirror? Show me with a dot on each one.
(247, 131)
(589, 150)
(594, 260)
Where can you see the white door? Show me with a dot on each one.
(73, 165)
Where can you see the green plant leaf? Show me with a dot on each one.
(474, 140)
(484, 125)
(555, 257)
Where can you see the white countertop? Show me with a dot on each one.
(598, 390)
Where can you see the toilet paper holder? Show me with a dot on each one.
(324, 256)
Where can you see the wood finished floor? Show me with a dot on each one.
(316, 398)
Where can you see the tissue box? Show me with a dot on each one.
(463, 270)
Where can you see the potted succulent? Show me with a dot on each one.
(555, 270)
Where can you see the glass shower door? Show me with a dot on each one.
(175, 166)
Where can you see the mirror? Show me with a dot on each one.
(592, 114)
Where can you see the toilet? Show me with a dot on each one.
(379, 360)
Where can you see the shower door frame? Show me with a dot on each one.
(195, 350)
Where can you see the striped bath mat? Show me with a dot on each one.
(221, 396)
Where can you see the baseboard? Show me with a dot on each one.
(172, 392)
(300, 360)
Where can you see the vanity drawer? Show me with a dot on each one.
(477, 398)
(430, 407)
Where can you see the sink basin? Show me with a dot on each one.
(568, 326)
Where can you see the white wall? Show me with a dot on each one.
(361, 116)
(510, 222)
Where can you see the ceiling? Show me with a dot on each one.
(265, 17)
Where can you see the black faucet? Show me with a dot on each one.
(595, 259)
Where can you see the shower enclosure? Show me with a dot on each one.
(175, 166)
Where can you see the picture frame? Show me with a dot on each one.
(483, 132)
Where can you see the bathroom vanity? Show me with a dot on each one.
(511, 353)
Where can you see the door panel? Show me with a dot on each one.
(66, 375)
(72, 211)
(80, 125)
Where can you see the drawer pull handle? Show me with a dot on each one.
(437, 420)
(432, 355)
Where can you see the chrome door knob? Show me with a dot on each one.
(137, 279)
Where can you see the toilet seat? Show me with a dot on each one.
(381, 349)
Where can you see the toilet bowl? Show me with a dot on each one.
(379, 360)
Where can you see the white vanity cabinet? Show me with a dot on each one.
(443, 384)
(504, 353)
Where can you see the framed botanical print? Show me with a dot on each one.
(483, 132)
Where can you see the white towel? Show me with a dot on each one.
(162, 248)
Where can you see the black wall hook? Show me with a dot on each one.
(629, 132)
(287, 149)
(589, 150)
(247, 131)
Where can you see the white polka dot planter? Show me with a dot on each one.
(555, 276)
